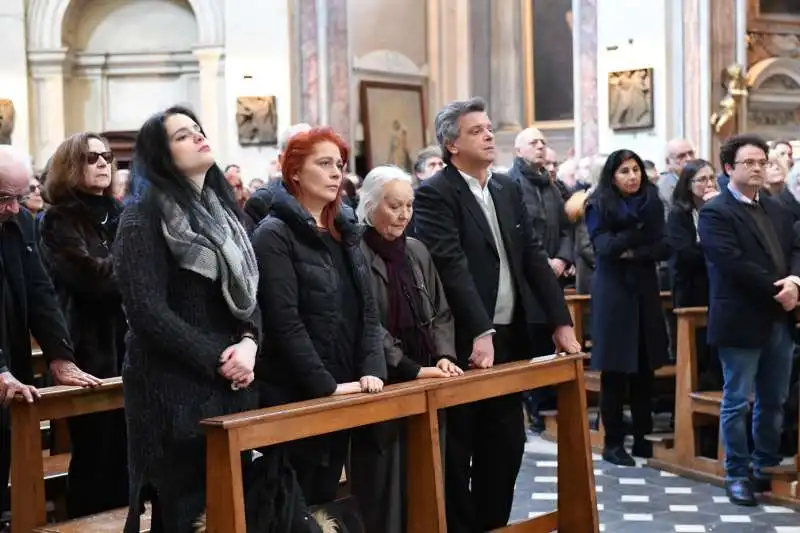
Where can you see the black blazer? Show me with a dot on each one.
(36, 309)
(686, 263)
(451, 223)
(741, 273)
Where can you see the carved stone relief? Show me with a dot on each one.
(765, 45)
(772, 118)
(780, 82)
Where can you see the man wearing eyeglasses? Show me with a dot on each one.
(28, 304)
(753, 258)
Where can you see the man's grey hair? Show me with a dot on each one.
(290, 132)
(423, 156)
(371, 191)
(446, 123)
(14, 159)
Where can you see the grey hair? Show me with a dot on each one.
(371, 191)
(446, 123)
(290, 132)
(425, 154)
(792, 181)
(13, 158)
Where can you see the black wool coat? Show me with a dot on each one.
(626, 306)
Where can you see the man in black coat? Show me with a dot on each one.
(498, 282)
(27, 304)
(753, 258)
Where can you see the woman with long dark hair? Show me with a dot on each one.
(188, 278)
(322, 328)
(625, 221)
(77, 233)
(696, 185)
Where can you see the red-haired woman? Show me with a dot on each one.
(321, 327)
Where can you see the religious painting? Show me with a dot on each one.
(6, 120)
(257, 120)
(774, 16)
(552, 77)
(393, 119)
(630, 99)
(779, 7)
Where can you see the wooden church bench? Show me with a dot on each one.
(28, 469)
(418, 402)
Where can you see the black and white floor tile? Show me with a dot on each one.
(639, 499)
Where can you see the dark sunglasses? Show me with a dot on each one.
(92, 157)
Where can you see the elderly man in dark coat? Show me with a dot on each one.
(27, 304)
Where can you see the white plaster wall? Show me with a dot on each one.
(257, 44)
(138, 26)
(649, 48)
(14, 67)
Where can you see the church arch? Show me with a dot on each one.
(46, 23)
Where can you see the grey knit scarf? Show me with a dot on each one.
(219, 250)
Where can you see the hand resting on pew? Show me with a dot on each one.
(11, 386)
(354, 387)
(565, 340)
(67, 373)
(371, 384)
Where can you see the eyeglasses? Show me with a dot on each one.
(33, 188)
(704, 180)
(9, 200)
(92, 157)
(753, 163)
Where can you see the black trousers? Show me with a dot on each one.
(98, 469)
(638, 388)
(485, 443)
(318, 464)
(5, 457)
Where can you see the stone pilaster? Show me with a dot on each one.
(47, 70)
(506, 81)
(587, 133)
(208, 61)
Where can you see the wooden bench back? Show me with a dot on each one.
(27, 468)
(418, 402)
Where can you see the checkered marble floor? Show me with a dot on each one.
(640, 499)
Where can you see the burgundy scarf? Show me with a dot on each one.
(405, 321)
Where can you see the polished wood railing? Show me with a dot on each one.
(418, 402)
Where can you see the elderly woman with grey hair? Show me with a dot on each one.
(418, 337)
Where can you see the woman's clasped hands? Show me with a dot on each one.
(237, 362)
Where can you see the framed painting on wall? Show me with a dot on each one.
(393, 119)
(548, 67)
(774, 16)
(630, 99)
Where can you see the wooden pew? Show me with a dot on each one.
(680, 455)
(578, 306)
(28, 465)
(418, 402)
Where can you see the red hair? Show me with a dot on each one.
(298, 149)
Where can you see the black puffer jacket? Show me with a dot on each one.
(298, 289)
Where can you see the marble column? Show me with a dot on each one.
(324, 74)
(506, 82)
(47, 71)
(723, 40)
(692, 90)
(208, 61)
(94, 69)
(454, 50)
(584, 30)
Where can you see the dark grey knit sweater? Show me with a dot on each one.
(179, 327)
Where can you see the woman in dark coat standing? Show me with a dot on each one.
(188, 278)
(696, 185)
(625, 220)
(77, 232)
(322, 328)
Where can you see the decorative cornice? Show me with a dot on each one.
(48, 62)
(389, 63)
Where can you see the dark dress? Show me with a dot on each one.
(179, 326)
(322, 328)
(628, 331)
(76, 239)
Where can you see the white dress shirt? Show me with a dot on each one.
(504, 307)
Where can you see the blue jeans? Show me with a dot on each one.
(768, 370)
